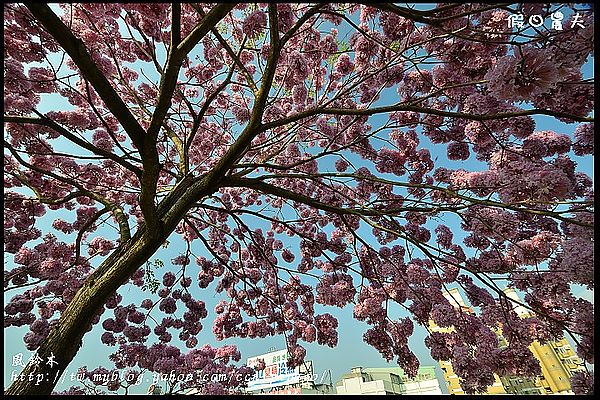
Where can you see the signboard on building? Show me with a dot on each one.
(293, 390)
(276, 372)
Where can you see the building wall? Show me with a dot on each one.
(429, 386)
(356, 385)
(388, 381)
(424, 383)
(521, 385)
(452, 380)
(557, 359)
(318, 389)
(558, 362)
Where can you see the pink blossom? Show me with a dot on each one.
(255, 23)
(520, 77)
(395, 26)
(287, 255)
(546, 143)
(584, 139)
(350, 193)
(582, 383)
(458, 151)
(343, 65)
(335, 289)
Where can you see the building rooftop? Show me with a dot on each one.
(424, 372)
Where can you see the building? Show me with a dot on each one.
(557, 359)
(452, 380)
(518, 384)
(277, 378)
(424, 383)
(453, 384)
(305, 388)
(388, 381)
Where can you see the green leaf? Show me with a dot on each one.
(150, 282)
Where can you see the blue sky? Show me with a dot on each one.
(351, 350)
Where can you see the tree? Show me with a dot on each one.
(291, 148)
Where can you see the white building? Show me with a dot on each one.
(388, 381)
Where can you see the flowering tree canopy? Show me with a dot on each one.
(294, 149)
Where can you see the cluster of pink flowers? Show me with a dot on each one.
(254, 269)
(415, 82)
(519, 77)
(584, 139)
(394, 26)
(535, 250)
(572, 96)
(344, 65)
(255, 23)
(545, 144)
(583, 383)
(101, 246)
(335, 289)
(390, 339)
(326, 325)
(364, 48)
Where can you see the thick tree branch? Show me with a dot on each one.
(414, 15)
(424, 110)
(167, 86)
(425, 16)
(175, 24)
(257, 184)
(82, 58)
(117, 211)
(175, 58)
(83, 229)
(451, 193)
(45, 121)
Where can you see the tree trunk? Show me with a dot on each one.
(64, 340)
